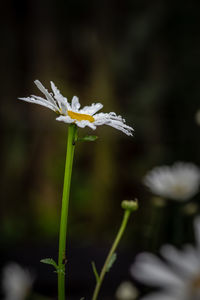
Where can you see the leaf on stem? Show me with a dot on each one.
(88, 138)
(49, 261)
(95, 271)
(111, 262)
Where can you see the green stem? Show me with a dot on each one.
(72, 136)
(110, 254)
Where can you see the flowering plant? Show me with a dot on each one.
(73, 114)
(76, 117)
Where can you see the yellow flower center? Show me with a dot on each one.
(196, 283)
(194, 288)
(179, 190)
(80, 117)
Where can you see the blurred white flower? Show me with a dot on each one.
(178, 276)
(197, 117)
(177, 182)
(126, 291)
(71, 113)
(16, 282)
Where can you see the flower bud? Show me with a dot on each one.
(130, 205)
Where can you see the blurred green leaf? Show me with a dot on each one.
(88, 138)
(111, 262)
(95, 271)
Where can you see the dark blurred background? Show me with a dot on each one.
(140, 59)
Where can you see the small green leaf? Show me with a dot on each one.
(82, 298)
(49, 261)
(88, 138)
(111, 262)
(95, 271)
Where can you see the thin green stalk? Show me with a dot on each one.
(122, 228)
(72, 136)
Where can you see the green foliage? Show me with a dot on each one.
(88, 138)
(111, 262)
(95, 271)
(50, 261)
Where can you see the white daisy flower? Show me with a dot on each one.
(72, 113)
(178, 277)
(177, 182)
(197, 117)
(17, 282)
(126, 291)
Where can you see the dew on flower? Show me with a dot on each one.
(100, 106)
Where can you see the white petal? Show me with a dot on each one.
(114, 121)
(108, 116)
(62, 101)
(92, 109)
(184, 262)
(65, 119)
(55, 89)
(43, 102)
(160, 296)
(122, 127)
(81, 124)
(151, 270)
(101, 119)
(44, 91)
(84, 123)
(75, 104)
